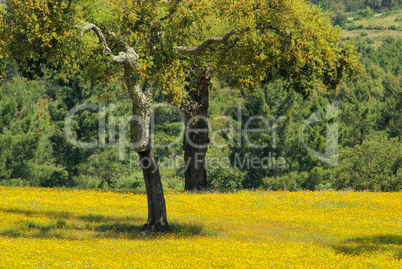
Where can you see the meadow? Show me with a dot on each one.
(374, 28)
(54, 228)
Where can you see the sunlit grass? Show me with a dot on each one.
(48, 228)
(377, 36)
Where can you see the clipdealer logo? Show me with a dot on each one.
(330, 156)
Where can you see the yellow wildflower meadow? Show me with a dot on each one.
(50, 228)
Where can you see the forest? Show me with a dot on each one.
(35, 150)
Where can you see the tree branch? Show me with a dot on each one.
(223, 40)
(151, 88)
(273, 28)
(129, 56)
(204, 45)
(106, 50)
(118, 40)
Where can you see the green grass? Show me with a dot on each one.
(384, 20)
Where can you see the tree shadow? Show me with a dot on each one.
(64, 225)
(67, 215)
(134, 231)
(368, 244)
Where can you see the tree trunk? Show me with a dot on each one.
(141, 95)
(194, 159)
(196, 140)
(157, 219)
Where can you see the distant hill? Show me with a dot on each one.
(373, 28)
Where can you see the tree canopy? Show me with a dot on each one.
(244, 42)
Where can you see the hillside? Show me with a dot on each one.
(373, 27)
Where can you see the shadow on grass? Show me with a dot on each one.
(67, 215)
(64, 225)
(368, 244)
(130, 231)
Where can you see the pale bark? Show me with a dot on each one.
(141, 96)
(204, 45)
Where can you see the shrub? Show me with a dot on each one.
(369, 41)
(292, 181)
(225, 179)
(87, 182)
(339, 18)
(172, 178)
(104, 170)
(319, 178)
(366, 13)
(131, 181)
(375, 165)
(46, 175)
(392, 27)
(14, 182)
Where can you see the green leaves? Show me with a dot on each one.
(375, 165)
(289, 39)
(38, 31)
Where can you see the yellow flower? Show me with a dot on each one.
(50, 228)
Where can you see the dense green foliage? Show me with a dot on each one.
(370, 105)
(34, 149)
(376, 165)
